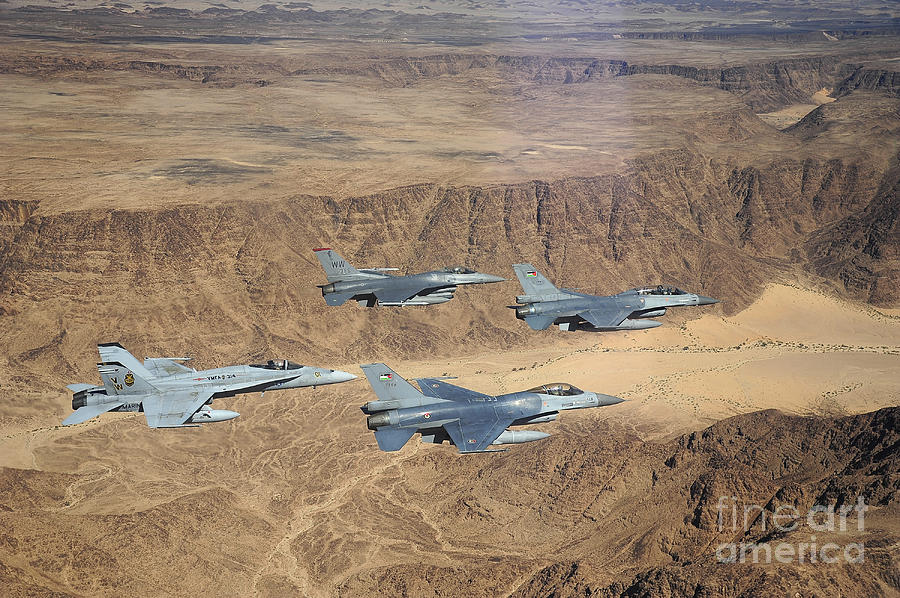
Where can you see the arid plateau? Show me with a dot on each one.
(166, 169)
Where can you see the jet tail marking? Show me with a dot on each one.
(121, 380)
(388, 384)
(338, 269)
(534, 284)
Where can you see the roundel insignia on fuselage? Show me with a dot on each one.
(129, 379)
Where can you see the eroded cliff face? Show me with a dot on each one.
(241, 276)
(763, 86)
(624, 517)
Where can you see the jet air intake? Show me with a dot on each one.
(537, 419)
(519, 436)
(653, 313)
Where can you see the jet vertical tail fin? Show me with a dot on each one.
(337, 268)
(116, 353)
(533, 282)
(390, 386)
(121, 380)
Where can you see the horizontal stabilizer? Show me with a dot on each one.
(539, 322)
(82, 414)
(80, 386)
(337, 298)
(393, 439)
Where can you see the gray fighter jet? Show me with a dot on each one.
(543, 304)
(373, 285)
(470, 420)
(172, 395)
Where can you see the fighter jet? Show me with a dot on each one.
(543, 304)
(373, 285)
(470, 420)
(172, 395)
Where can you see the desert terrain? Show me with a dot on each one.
(167, 168)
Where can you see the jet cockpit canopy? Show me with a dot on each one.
(662, 289)
(277, 364)
(557, 389)
(458, 270)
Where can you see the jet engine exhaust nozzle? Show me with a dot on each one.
(373, 422)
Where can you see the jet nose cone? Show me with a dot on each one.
(606, 400)
(702, 300)
(481, 278)
(339, 376)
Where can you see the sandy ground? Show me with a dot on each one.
(782, 119)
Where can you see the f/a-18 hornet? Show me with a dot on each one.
(172, 395)
(543, 304)
(470, 420)
(373, 285)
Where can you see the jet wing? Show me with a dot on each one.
(475, 437)
(438, 389)
(605, 317)
(173, 409)
(163, 366)
(395, 294)
(82, 414)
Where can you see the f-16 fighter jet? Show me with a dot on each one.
(174, 396)
(371, 286)
(470, 420)
(543, 304)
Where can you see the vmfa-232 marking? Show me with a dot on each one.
(172, 395)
